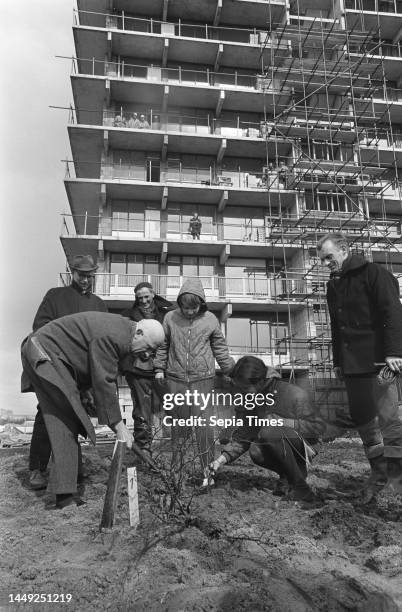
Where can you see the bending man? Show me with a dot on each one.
(67, 356)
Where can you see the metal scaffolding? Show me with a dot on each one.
(330, 99)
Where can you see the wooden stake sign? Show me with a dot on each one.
(112, 491)
(133, 496)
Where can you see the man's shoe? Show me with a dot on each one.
(304, 496)
(281, 487)
(38, 480)
(66, 499)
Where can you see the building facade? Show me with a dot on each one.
(276, 121)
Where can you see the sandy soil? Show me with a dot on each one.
(240, 548)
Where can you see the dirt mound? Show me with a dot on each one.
(239, 548)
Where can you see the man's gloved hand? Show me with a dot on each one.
(160, 380)
(124, 434)
(211, 470)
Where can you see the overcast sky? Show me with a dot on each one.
(34, 141)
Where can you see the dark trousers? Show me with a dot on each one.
(361, 397)
(281, 450)
(63, 427)
(41, 449)
(145, 405)
(368, 400)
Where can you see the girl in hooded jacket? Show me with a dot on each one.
(187, 361)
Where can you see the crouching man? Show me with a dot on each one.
(68, 356)
(283, 448)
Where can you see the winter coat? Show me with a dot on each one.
(192, 345)
(195, 225)
(366, 316)
(290, 402)
(91, 345)
(135, 364)
(61, 301)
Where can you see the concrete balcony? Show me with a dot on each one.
(375, 6)
(386, 14)
(176, 134)
(246, 13)
(85, 195)
(163, 239)
(94, 81)
(163, 41)
(382, 145)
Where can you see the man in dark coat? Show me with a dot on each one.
(64, 358)
(139, 371)
(58, 302)
(366, 328)
(195, 226)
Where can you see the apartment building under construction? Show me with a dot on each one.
(275, 120)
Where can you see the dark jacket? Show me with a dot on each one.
(133, 364)
(62, 301)
(192, 345)
(195, 225)
(91, 345)
(366, 316)
(290, 402)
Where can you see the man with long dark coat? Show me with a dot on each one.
(366, 328)
(67, 356)
(59, 302)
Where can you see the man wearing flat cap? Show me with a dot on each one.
(68, 356)
(58, 302)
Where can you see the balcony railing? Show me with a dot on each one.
(124, 21)
(178, 75)
(381, 6)
(189, 124)
(121, 286)
(377, 47)
(382, 138)
(126, 117)
(121, 226)
(207, 176)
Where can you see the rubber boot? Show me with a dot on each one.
(377, 479)
(373, 444)
(394, 482)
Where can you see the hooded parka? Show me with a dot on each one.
(192, 345)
